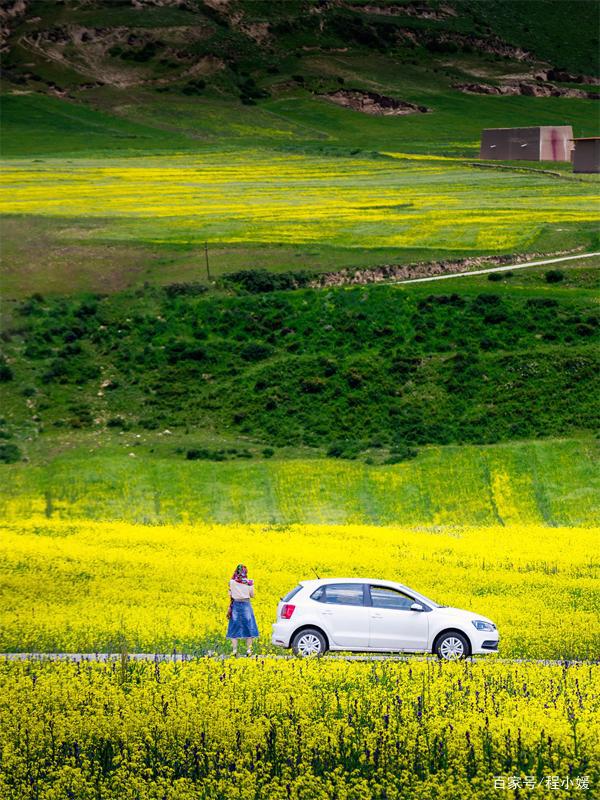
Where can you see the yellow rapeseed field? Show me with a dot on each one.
(298, 730)
(260, 197)
(84, 586)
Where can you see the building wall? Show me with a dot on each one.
(547, 143)
(586, 157)
(510, 144)
(556, 143)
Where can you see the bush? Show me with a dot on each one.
(554, 276)
(401, 453)
(117, 422)
(256, 351)
(30, 306)
(313, 385)
(202, 453)
(149, 424)
(6, 373)
(184, 289)
(257, 281)
(268, 452)
(345, 449)
(194, 87)
(9, 454)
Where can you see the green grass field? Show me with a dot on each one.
(549, 483)
(114, 227)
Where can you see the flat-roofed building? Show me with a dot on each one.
(586, 155)
(541, 143)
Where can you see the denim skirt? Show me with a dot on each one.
(242, 624)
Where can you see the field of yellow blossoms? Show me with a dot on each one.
(214, 728)
(298, 730)
(261, 197)
(86, 586)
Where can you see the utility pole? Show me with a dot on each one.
(206, 257)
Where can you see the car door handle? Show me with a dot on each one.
(376, 616)
(327, 613)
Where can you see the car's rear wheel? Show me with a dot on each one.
(309, 642)
(452, 646)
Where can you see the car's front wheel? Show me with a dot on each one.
(451, 646)
(309, 642)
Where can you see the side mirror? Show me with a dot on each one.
(417, 607)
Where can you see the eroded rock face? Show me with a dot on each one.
(10, 12)
(526, 89)
(418, 10)
(373, 103)
(562, 76)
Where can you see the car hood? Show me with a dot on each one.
(460, 612)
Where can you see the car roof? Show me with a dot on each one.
(314, 583)
(324, 581)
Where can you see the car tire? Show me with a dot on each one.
(309, 642)
(452, 646)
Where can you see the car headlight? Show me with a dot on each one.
(481, 625)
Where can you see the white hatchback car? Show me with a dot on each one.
(362, 614)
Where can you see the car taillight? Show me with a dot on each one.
(287, 611)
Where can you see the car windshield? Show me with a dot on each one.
(428, 600)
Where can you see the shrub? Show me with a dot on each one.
(554, 276)
(184, 289)
(9, 454)
(257, 281)
(345, 449)
(256, 351)
(401, 453)
(202, 453)
(313, 385)
(117, 422)
(149, 424)
(268, 452)
(30, 306)
(6, 373)
(194, 87)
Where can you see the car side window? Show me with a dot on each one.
(341, 594)
(384, 597)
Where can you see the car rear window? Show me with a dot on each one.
(291, 593)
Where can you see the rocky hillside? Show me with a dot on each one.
(250, 49)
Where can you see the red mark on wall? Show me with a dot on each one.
(554, 141)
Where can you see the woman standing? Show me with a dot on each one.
(242, 624)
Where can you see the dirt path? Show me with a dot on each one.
(505, 268)
(183, 657)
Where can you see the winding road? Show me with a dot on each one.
(504, 268)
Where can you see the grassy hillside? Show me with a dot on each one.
(375, 370)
